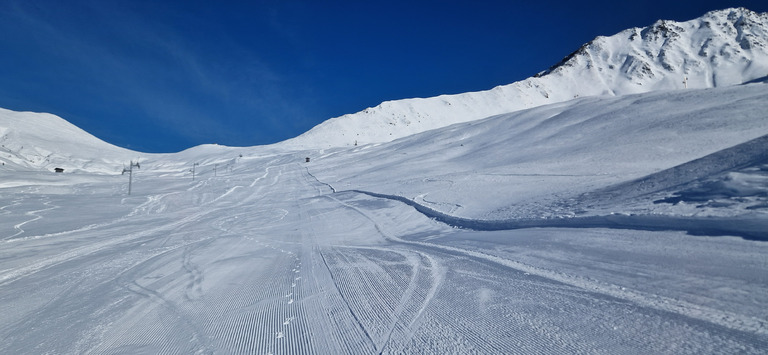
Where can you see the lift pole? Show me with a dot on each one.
(193, 170)
(129, 170)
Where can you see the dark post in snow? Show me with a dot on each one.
(193, 170)
(130, 173)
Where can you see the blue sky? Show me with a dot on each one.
(163, 76)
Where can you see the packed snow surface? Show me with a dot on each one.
(626, 214)
(600, 225)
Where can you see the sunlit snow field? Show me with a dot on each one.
(522, 233)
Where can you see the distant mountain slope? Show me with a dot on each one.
(721, 48)
(40, 141)
(590, 155)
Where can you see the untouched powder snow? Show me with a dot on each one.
(634, 222)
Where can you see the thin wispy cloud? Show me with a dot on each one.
(158, 68)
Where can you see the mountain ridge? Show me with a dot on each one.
(720, 48)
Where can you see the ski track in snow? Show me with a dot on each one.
(726, 319)
(435, 272)
(35, 216)
(261, 266)
(281, 256)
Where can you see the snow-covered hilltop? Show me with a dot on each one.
(31, 141)
(721, 48)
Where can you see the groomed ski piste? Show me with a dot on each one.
(602, 224)
(412, 246)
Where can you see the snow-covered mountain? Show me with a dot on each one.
(32, 141)
(564, 228)
(569, 227)
(721, 48)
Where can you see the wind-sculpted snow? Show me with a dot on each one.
(749, 228)
(719, 166)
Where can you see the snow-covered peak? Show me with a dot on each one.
(721, 48)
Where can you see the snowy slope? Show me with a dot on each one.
(721, 48)
(540, 162)
(570, 227)
(266, 259)
(480, 237)
(31, 141)
(35, 141)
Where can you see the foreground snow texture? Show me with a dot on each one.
(631, 224)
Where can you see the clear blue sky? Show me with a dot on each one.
(163, 76)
